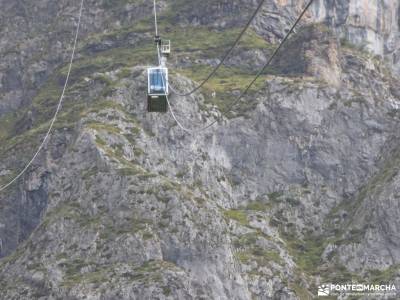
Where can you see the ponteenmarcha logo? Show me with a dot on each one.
(356, 289)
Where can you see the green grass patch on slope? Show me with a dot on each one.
(237, 215)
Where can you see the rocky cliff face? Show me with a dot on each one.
(297, 186)
(371, 25)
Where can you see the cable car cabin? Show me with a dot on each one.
(157, 89)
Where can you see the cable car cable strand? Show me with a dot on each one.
(2, 188)
(267, 64)
(155, 17)
(169, 104)
(224, 58)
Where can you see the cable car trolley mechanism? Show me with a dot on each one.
(166, 47)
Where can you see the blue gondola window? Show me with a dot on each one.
(158, 81)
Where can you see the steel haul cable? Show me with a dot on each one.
(169, 104)
(155, 17)
(212, 73)
(267, 64)
(46, 137)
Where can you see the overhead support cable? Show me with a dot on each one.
(227, 54)
(246, 90)
(155, 17)
(46, 137)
